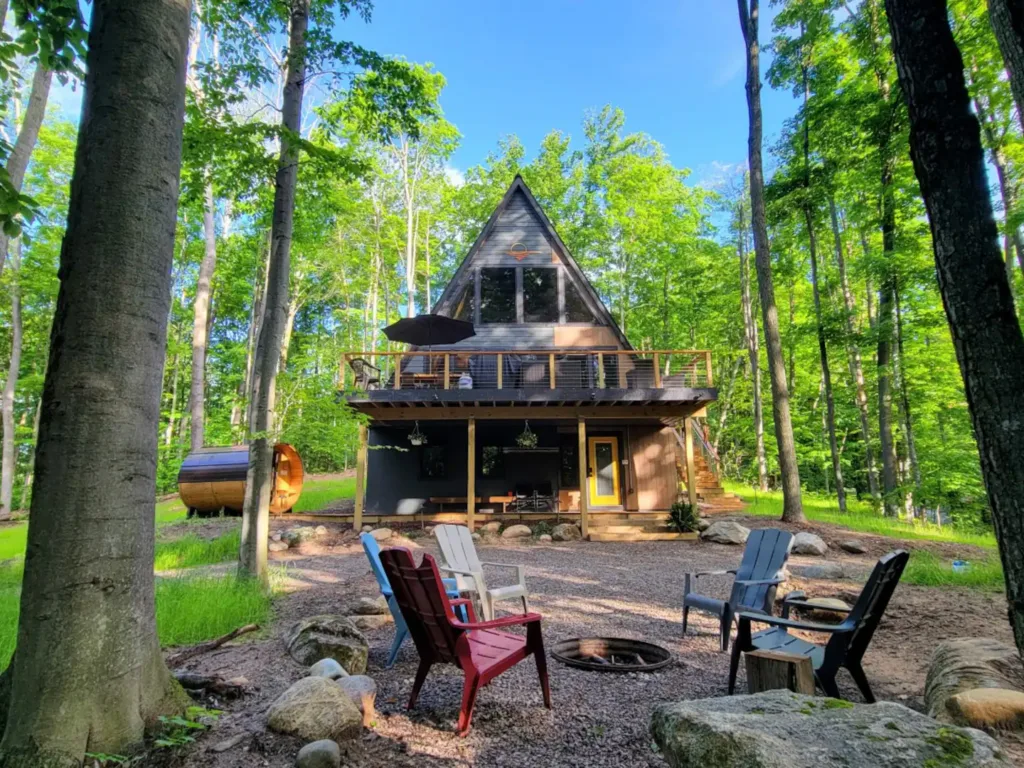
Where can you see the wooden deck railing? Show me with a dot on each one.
(534, 369)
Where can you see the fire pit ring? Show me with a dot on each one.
(611, 654)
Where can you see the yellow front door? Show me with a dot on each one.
(604, 471)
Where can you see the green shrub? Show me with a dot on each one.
(683, 517)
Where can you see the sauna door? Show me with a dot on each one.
(604, 471)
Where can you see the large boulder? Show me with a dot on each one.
(853, 546)
(371, 606)
(382, 534)
(328, 637)
(315, 708)
(319, 754)
(492, 527)
(828, 570)
(277, 546)
(370, 623)
(328, 668)
(725, 532)
(566, 532)
(805, 543)
(517, 532)
(363, 692)
(780, 729)
(964, 678)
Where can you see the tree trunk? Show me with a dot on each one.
(30, 473)
(200, 322)
(908, 422)
(9, 462)
(256, 510)
(884, 324)
(792, 507)
(753, 352)
(88, 675)
(725, 410)
(949, 161)
(28, 135)
(255, 329)
(1007, 17)
(289, 326)
(172, 416)
(1006, 192)
(856, 365)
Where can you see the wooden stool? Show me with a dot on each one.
(770, 670)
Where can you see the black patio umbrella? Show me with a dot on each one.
(427, 330)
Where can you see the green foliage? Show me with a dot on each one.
(928, 570)
(683, 517)
(191, 550)
(180, 731)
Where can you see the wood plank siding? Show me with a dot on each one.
(652, 464)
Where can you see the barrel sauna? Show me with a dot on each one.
(212, 479)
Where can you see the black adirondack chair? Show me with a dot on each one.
(849, 640)
(755, 580)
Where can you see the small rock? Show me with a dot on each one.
(494, 526)
(852, 546)
(275, 536)
(566, 532)
(726, 532)
(429, 530)
(371, 606)
(703, 524)
(319, 754)
(368, 623)
(328, 636)
(544, 537)
(382, 534)
(477, 537)
(226, 744)
(809, 544)
(328, 668)
(315, 708)
(366, 529)
(320, 531)
(988, 709)
(828, 570)
(363, 692)
(277, 546)
(516, 532)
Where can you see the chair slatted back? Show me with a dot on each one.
(420, 594)
(372, 550)
(874, 598)
(457, 547)
(766, 552)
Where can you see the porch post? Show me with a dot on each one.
(471, 473)
(357, 520)
(691, 479)
(584, 490)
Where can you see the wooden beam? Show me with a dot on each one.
(485, 412)
(361, 455)
(707, 364)
(471, 473)
(398, 372)
(691, 476)
(600, 370)
(551, 369)
(447, 368)
(581, 453)
(500, 371)
(657, 370)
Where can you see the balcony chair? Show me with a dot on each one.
(479, 649)
(367, 376)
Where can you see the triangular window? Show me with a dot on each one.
(576, 309)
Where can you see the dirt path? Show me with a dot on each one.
(619, 589)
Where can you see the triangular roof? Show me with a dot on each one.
(589, 294)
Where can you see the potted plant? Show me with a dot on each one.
(526, 438)
(416, 437)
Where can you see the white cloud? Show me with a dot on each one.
(455, 177)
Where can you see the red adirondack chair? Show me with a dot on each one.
(477, 648)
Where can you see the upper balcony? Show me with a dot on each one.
(679, 380)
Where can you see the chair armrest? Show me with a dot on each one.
(446, 569)
(777, 621)
(803, 601)
(760, 581)
(698, 574)
(467, 605)
(502, 565)
(504, 621)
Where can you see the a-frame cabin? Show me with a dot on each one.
(548, 411)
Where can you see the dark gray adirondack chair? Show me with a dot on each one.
(849, 639)
(753, 588)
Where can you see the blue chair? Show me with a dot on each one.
(372, 549)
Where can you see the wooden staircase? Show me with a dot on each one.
(710, 494)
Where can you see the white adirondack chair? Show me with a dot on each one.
(460, 560)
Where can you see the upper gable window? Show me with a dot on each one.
(540, 295)
(576, 309)
(498, 295)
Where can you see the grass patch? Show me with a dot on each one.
(859, 517)
(928, 570)
(193, 609)
(170, 511)
(318, 494)
(192, 550)
(12, 540)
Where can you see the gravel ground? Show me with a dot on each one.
(599, 719)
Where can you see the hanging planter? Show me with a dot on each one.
(526, 438)
(416, 437)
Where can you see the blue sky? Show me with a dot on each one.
(675, 67)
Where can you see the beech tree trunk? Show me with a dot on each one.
(856, 365)
(946, 148)
(1007, 17)
(908, 421)
(28, 135)
(259, 480)
(30, 474)
(88, 675)
(200, 322)
(753, 352)
(792, 506)
(9, 464)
